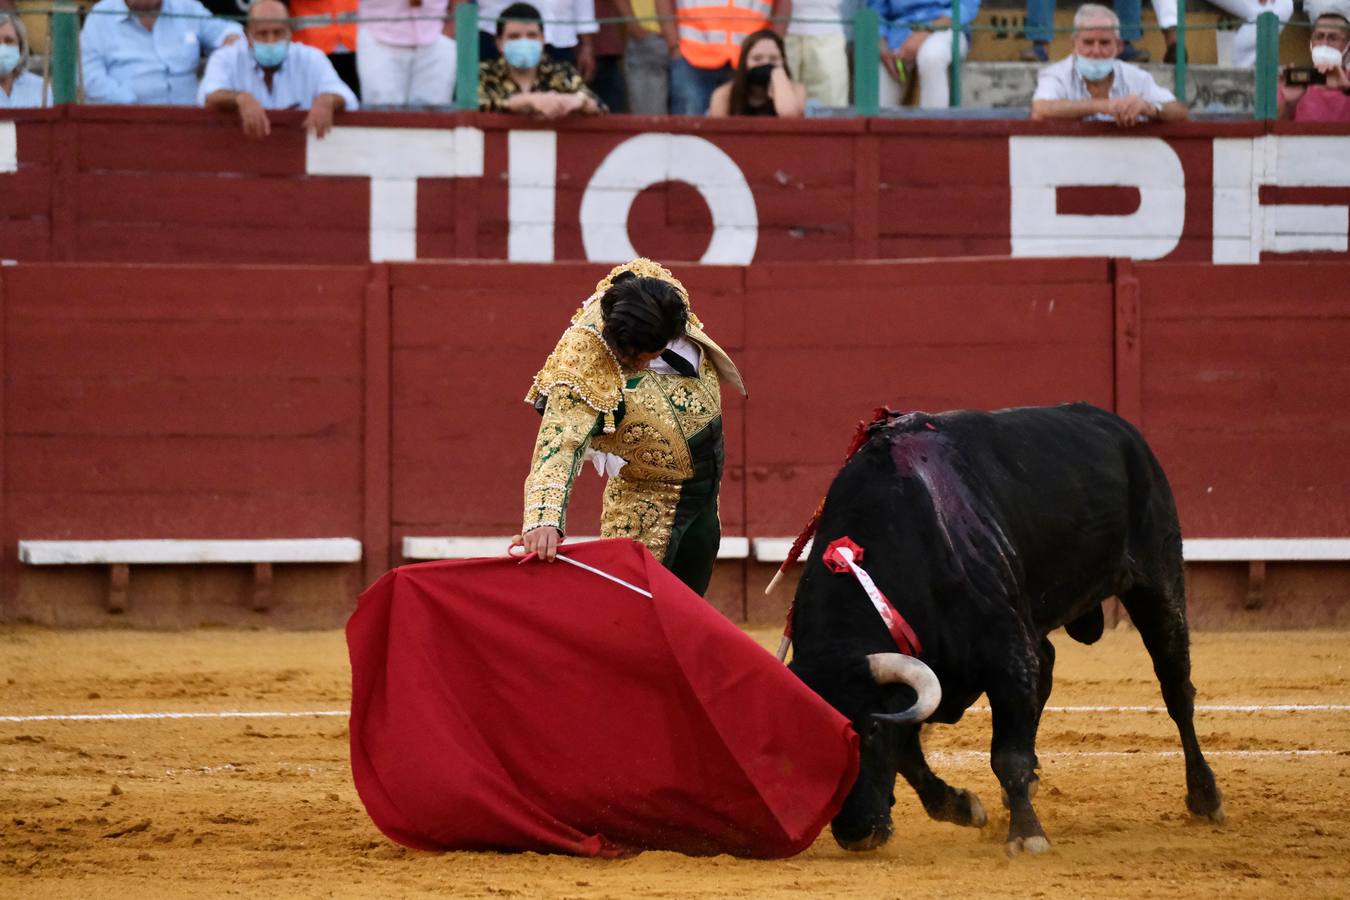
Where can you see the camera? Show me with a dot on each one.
(1304, 75)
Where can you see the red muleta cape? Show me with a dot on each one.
(541, 707)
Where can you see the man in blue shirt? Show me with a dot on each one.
(272, 72)
(904, 50)
(147, 51)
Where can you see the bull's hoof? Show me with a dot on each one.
(1031, 846)
(1215, 814)
(976, 816)
(1207, 807)
(862, 845)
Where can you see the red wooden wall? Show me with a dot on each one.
(125, 184)
(382, 401)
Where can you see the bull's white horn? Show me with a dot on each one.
(897, 668)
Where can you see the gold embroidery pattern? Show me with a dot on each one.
(558, 452)
(583, 362)
(641, 510)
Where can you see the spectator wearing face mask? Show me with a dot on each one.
(569, 31)
(19, 88)
(1321, 102)
(1092, 84)
(762, 85)
(523, 79)
(147, 51)
(269, 71)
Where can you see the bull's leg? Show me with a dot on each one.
(1014, 698)
(1161, 621)
(942, 801)
(1046, 657)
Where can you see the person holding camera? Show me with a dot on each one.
(762, 85)
(1319, 93)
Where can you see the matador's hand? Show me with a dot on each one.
(541, 541)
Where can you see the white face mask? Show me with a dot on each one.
(1322, 55)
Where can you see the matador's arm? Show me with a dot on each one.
(559, 451)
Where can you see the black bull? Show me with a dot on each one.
(987, 531)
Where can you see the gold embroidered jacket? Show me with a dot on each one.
(584, 384)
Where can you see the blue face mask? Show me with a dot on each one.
(269, 56)
(523, 53)
(1093, 69)
(9, 58)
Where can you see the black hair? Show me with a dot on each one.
(518, 12)
(642, 314)
(740, 84)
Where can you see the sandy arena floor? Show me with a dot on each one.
(265, 807)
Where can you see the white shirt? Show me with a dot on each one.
(556, 33)
(25, 92)
(302, 76)
(1061, 81)
(832, 14)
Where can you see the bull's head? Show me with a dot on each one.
(872, 691)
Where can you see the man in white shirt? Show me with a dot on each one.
(1093, 85)
(272, 72)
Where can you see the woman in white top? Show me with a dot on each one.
(18, 87)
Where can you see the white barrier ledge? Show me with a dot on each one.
(775, 549)
(173, 552)
(1267, 549)
(477, 547)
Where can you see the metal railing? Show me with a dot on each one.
(866, 24)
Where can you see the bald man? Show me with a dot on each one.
(272, 72)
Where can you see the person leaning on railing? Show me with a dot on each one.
(569, 26)
(904, 50)
(1092, 84)
(704, 40)
(406, 53)
(763, 84)
(19, 88)
(148, 51)
(524, 79)
(1328, 102)
(270, 71)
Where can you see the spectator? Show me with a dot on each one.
(1244, 41)
(1317, 102)
(19, 87)
(271, 72)
(568, 27)
(405, 52)
(607, 81)
(705, 43)
(148, 51)
(930, 52)
(816, 50)
(762, 85)
(1040, 30)
(646, 59)
(317, 23)
(1094, 85)
(522, 79)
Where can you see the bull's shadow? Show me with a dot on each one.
(986, 531)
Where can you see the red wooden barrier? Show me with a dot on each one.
(378, 402)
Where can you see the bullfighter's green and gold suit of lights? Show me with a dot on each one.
(667, 427)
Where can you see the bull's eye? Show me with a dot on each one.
(873, 728)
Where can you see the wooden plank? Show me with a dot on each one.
(65, 209)
(866, 190)
(5, 544)
(194, 407)
(891, 275)
(1128, 345)
(204, 143)
(260, 241)
(378, 467)
(206, 515)
(731, 547)
(179, 551)
(1267, 549)
(165, 464)
(212, 199)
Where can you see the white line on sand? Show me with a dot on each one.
(306, 714)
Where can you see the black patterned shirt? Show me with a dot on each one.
(496, 86)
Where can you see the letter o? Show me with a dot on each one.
(648, 159)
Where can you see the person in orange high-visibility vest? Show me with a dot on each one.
(330, 26)
(704, 38)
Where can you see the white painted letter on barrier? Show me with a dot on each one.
(393, 159)
(9, 147)
(1039, 166)
(648, 159)
(532, 163)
